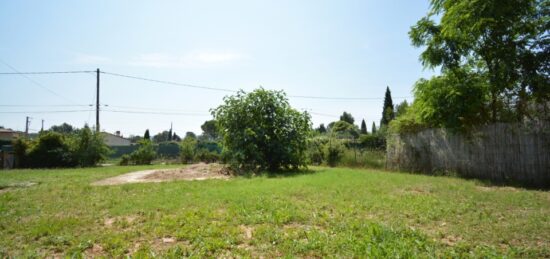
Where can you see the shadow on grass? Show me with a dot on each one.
(280, 173)
(490, 183)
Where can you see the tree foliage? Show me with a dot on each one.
(89, 148)
(210, 130)
(52, 149)
(163, 136)
(144, 155)
(347, 118)
(503, 42)
(322, 129)
(63, 128)
(401, 108)
(188, 149)
(261, 131)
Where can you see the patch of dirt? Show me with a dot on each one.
(199, 171)
(94, 251)
(247, 231)
(109, 222)
(450, 240)
(13, 186)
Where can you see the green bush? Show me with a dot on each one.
(204, 155)
(187, 149)
(145, 154)
(373, 141)
(261, 131)
(50, 150)
(20, 149)
(124, 160)
(89, 148)
(316, 150)
(334, 151)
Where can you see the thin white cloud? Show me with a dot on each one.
(86, 59)
(194, 59)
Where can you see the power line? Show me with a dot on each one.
(234, 91)
(60, 111)
(34, 82)
(44, 72)
(169, 82)
(158, 113)
(187, 85)
(149, 108)
(44, 105)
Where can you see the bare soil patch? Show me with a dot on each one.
(199, 171)
(14, 186)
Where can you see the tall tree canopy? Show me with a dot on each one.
(322, 128)
(63, 128)
(347, 118)
(210, 129)
(505, 42)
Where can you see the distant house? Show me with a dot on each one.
(115, 139)
(7, 135)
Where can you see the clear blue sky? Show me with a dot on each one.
(318, 48)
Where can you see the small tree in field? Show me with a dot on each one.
(90, 148)
(262, 132)
(187, 149)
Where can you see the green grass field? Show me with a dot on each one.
(329, 212)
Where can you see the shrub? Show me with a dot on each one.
(316, 150)
(20, 148)
(334, 151)
(373, 141)
(51, 150)
(124, 160)
(90, 149)
(187, 149)
(206, 156)
(261, 131)
(144, 155)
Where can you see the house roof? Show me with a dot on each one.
(114, 135)
(3, 130)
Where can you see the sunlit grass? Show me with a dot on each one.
(331, 212)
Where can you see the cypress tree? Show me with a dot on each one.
(146, 135)
(387, 111)
(373, 130)
(363, 127)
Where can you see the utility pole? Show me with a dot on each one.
(97, 103)
(42, 128)
(27, 127)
